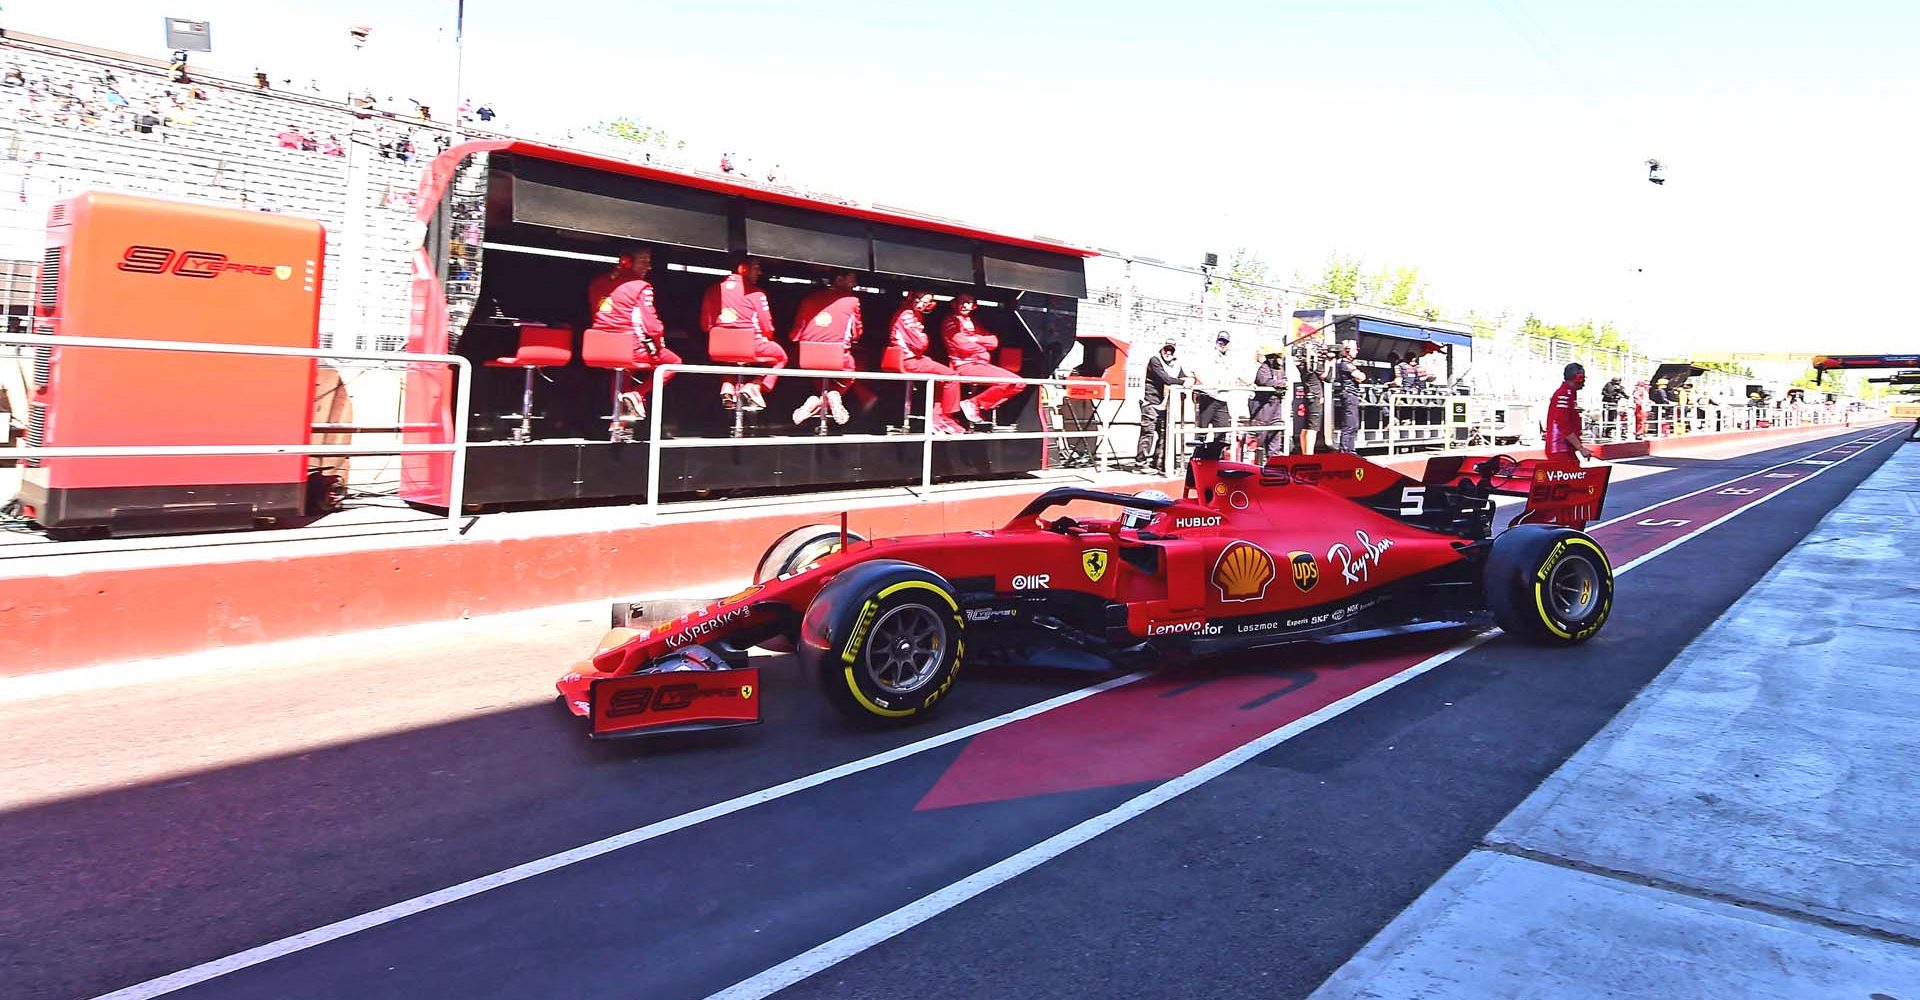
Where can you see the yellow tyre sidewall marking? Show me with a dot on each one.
(1540, 585)
(851, 653)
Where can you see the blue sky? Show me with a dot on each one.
(1497, 144)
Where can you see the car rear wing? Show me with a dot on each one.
(1558, 490)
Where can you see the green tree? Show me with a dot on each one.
(637, 132)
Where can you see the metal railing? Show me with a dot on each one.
(927, 435)
(457, 448)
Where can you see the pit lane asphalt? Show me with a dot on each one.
(1257, 884)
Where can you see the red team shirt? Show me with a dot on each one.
(629, 309)
(828, 316)
(967, 344)
(736, 305)
(909, 333)
(1563, 420)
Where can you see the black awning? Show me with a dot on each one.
(1033, 271)
(809, 237)
(911, 254)
(566, 197)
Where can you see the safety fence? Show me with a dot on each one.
(36, 451)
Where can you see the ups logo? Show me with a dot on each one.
(1306, 570)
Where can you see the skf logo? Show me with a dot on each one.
(1306, 570)
(1242, 572)
(1094, 561)
(139, 259)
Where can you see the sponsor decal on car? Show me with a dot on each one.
(1306, 570)
(1560, 475)
(694, 631)
(1033, 581)
(1094, 561)
(1196, 522)
(859, 633)
(988, 614)
(1201, 628)
(1242, 572)
(1358, 568)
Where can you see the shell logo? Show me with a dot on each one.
(1243, 572)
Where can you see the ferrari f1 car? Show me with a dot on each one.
(1302, 549)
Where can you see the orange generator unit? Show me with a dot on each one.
(122, 266)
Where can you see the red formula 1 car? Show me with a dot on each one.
(1307, 548)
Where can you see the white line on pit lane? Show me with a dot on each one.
(853, 942)
(405, 908)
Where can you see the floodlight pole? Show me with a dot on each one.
(459, 65)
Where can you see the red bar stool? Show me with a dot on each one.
(540, 347)
(822, 356)
(727, 346)
(892, 360)
(612, 350)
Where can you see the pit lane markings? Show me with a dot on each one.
(976, 884)
(878, 931)
(473, 887)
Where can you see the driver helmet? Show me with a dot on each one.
(1136, 518)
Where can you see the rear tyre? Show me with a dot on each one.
(884, 639)
(800, 549)
(1549, 584)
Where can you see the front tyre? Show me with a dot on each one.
(1549, 584)
(884, 639)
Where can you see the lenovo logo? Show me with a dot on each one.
(139, 259)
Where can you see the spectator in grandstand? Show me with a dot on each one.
(1163, 371)
(332, 147)
(289, 138)
(736, 302)
(260, 81)
(1314, 363)
(1214, 378)
(970, 348)
(830, 315)
(627, 307)
(485, 113)
(146, 123)
(14, 78)
(1563, 415)
(1347, 377)
(726, 163)
(908, 333)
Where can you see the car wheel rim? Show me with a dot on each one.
(905, 648)
(1573, 588)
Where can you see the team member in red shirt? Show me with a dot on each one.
(603, 285)
(628, 308)
(970, 348)
(737, 303)
(909, 334)
(830, 315)
(1563, 415)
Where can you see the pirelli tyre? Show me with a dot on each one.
(1549, 584)
(885, 639)
(799, 549)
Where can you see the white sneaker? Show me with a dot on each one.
(972, 415)
(729, 397)
(837, 407)
(808, 410)
(633, 406)
(751, 400)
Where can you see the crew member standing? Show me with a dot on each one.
(970, 348)
(736, 302)
(628, 308)
(908, 333)
(1163, 370)
(1563, 416)
(1347, 377)
(1270, 400)
(1211, 399)
(830, 315)
(1310, 358)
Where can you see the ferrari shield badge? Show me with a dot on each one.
(1094, 561)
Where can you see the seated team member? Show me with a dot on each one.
(628, 308)
(970, 348)
(829, 315)
(736, 302)
(909, 334)
(603, 285)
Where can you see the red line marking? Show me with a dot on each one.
(1165, 726)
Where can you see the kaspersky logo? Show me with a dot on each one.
(140, 259)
